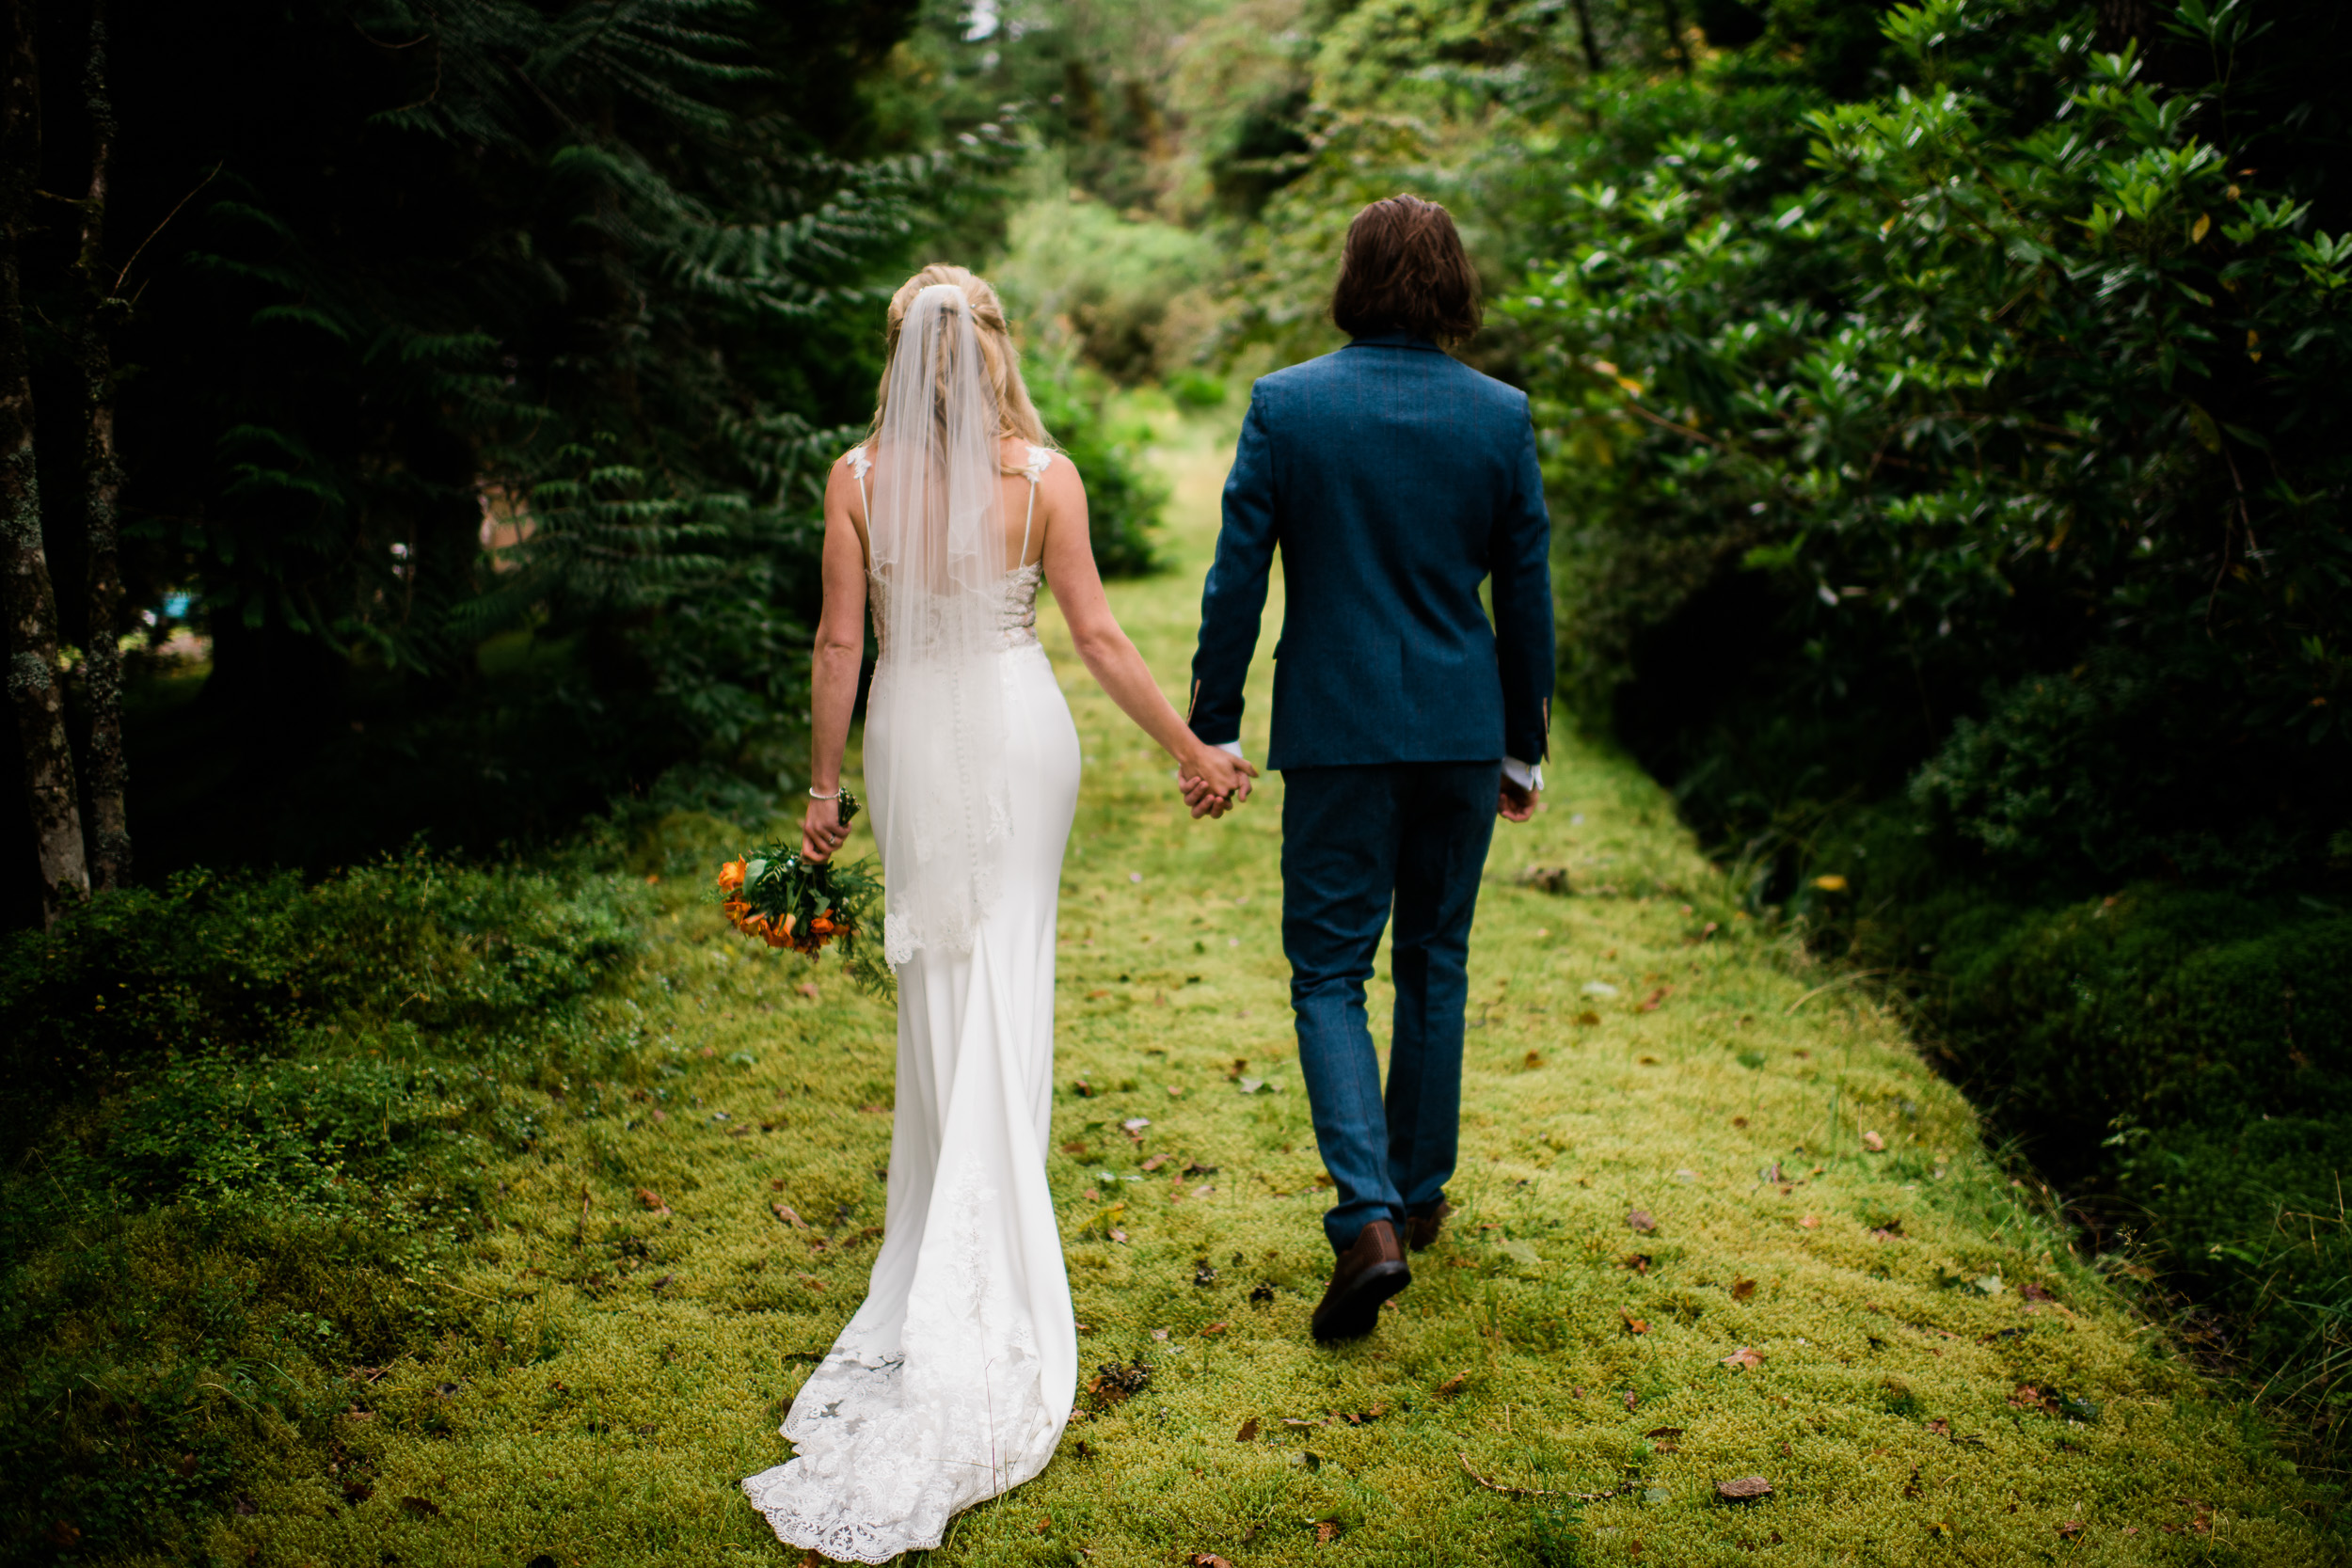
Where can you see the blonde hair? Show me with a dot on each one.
(1016, 416)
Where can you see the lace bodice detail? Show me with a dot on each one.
(1017, 612)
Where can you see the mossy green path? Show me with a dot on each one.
(1672, 1155)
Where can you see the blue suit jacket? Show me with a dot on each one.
(1395, 478)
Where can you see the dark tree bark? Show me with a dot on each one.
(2122, 21)
(36, 690)
(102, 483)
(1674, 39)
(1585, 35)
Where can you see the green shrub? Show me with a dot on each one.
(238, 965)
(251, 1115)
(2181, 1063)
(1124, 498)
(1196, 390)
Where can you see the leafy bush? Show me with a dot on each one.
(1124, 498)
(1085, 279)
(241, 965)
(1950, 515)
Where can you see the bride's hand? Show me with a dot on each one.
(821, 831)
(1214, 781)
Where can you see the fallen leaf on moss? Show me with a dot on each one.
(1743, 1358)
(1588, 1018)
(1452, 1385)
(1811, 1222)
(1249, 1433)
(1206, 1560)
(1639, 1220)
(784, 1212)
(1534, 1059)
(1633, 1323)
(1875, 1144)
(1327, 1531)
(1745, 1489)
(652, 1200)
(1656, 999)
(1742, 1290)
(1638, 1261)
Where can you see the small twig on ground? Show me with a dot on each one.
(1842, 980)
(1537, 1491)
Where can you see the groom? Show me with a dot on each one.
(1394, 480)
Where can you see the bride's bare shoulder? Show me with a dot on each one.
(1061, 485)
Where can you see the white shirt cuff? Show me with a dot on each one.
(1233, 745)
(1522, 775)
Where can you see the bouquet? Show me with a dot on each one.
(776, 894)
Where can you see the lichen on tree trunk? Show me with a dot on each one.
(36, 690)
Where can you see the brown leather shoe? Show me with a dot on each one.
(1421, 1230)
(1368, 1273)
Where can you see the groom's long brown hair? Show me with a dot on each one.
(1404, 270)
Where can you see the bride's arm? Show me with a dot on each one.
(1110, 657)
(840, 648)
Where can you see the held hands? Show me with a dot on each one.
(1214, 781)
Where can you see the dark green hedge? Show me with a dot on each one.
(2180, 1063)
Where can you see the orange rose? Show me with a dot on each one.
(731, 876)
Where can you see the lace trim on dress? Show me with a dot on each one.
(891, 1447)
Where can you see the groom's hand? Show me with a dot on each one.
(1517, 802)
(1214, 781)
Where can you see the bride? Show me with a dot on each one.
(953, 1381)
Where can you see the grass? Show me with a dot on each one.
(627, 1317)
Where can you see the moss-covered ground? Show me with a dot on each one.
(1682, 1255)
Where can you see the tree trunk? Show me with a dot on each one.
(36, 690)
(101, 481)
(1674, 39)
(1584, 33)
(2122, 21)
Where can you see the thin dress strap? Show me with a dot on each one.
(859, 464)
(1040, 459)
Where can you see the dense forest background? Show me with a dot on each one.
(1943, 406)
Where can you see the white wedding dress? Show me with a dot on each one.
(954, 1380)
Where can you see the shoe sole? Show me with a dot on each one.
(1358, 1313)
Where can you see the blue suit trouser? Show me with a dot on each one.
(1357, 843)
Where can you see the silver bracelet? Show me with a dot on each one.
(814, 796)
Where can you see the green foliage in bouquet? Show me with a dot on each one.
(779, 895)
